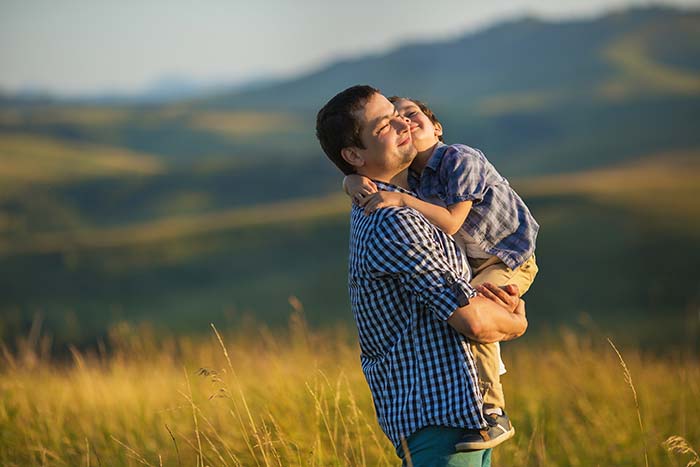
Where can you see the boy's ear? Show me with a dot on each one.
(438, 129)
(352, 156)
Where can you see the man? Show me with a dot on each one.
(410, 295)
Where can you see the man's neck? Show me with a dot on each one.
(422, 158)
(400, 179)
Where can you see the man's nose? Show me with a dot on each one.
(403, 124)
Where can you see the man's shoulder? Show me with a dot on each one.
(389, 215)
(388, 220)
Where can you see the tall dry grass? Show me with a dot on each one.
(255, 398)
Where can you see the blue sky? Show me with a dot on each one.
(73, 47)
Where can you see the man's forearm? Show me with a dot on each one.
(485, 321)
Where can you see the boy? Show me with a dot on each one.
(463, 194)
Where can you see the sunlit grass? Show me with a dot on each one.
(31, 159)
(184, 201)
(663, 187)
(66, 115)
(640, 73)
(522, 102)
(659, 187)
(228, 123)
(251, 397)
(240, 124)
(273, 214)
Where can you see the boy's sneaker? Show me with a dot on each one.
(499, 429)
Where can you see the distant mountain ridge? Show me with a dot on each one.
(526, 59)
(538, 97)
(161, 91)
(520, 58)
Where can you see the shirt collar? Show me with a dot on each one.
(382, 186)
(436, 158)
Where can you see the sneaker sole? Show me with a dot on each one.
(478, 446)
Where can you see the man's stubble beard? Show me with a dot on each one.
(409, 156)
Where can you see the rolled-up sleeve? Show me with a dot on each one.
(405, 246)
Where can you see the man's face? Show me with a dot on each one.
(423, 131)
(386, 137)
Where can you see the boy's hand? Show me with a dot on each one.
(507, 296)
(382, 199)
(358, 187)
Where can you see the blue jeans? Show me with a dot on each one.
(434, 446)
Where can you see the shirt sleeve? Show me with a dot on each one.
(464, 172)
(405, 246)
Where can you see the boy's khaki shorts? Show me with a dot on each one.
(488, 356)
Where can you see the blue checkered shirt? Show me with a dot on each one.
(499, 221)
(406, 277)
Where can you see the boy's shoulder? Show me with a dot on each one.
(463, 150)
(460, 156)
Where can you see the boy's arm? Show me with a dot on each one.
(358, 187)
(449, 219)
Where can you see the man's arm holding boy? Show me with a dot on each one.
(404, 247)
(482, 320)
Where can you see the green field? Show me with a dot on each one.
(604, 253)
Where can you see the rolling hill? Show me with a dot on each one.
(216, 208)
(544, 62)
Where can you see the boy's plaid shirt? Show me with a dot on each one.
(406, 277)
(499, 221)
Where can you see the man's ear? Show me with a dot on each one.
(352, 156)
(438, 129)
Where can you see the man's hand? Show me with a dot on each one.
(506, 296)
(382, 199)
(358, 187)
(519, 314)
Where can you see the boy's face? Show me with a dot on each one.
(423, 131)
(387, 140)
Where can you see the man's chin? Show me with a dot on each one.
(410, 154)
(407, 161)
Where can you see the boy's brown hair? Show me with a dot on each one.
(423, 108)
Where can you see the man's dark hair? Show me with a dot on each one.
(338, 128)
(423, 108)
